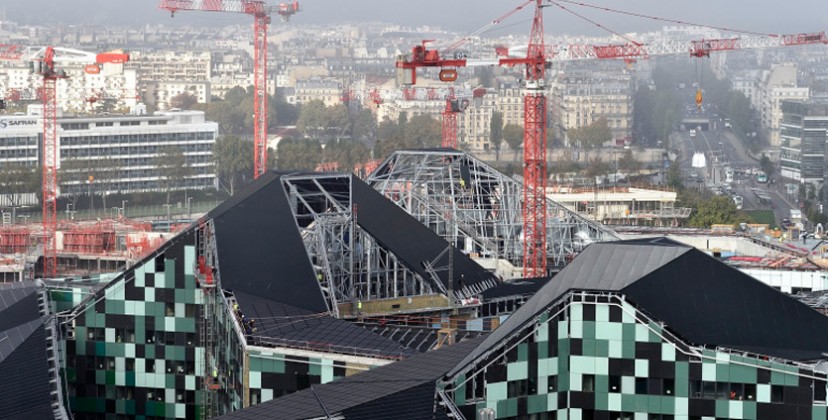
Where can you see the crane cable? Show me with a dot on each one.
(680, 22)
(618, 34)
(488, 26)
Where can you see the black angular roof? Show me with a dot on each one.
(279, 323)
(261, 251)
(399, 390)
(698, 297)
(25, 386)
(259, 247)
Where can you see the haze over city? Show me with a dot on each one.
(458, 15)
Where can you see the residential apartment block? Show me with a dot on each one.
(804, 138)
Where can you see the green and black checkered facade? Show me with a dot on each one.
(136, 349)
(598, 356)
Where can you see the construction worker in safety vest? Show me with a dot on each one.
(462, 183)
(319, 276)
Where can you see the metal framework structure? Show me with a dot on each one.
(471, 204)
(207, 271)
(261, 13)
(696, 48)
(349, 262)
(49, 165)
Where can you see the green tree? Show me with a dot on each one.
(513, 136)
(674, 176)
(346, 152)
(234, 161)
(496, 132)
(597, 167)
(298, 154)
(422, 131)
(628, 163)
(364, 126)
(718, 210)
(17, 179)
(593, 135)
(183, 100)
(172, 167)
(312, 119)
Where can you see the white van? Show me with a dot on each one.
(692, 132)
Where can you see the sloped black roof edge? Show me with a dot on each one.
(364, 387)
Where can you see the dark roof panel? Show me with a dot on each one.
(410, 240)
(284, 324)
(25, 386)
(259, 247)
(708, 302)
(18, 303)
(698, 297)
(369, 387)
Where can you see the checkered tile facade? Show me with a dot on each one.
(136, 351)
(600, 358)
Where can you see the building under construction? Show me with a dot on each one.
(305, 279)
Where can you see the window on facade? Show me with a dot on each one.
(588, 383)
(777, 393)
(614, 383)
(668, 386)
(552, 383)
(641, 386)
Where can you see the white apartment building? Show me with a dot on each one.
(771, 108)
(327, 90)
(474, 124)
(161, 93)
(772, 87)
(582, 98)
(172, 65)
(78, 92)
(129, 143)
(509, 102)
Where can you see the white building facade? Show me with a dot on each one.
(125, 147)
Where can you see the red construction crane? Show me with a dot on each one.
(43, 63)
(534, 126)
(261, 13)
(454, 104)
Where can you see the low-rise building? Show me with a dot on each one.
(125, 148)
(622, 205)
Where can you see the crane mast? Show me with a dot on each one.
(534, 153)
(261, 13)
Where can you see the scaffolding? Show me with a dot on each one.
(477, 208)
(350, 265)
(206, 271)
(15, 240)
(96, 239)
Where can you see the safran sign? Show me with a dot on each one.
(6, 123)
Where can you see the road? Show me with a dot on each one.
(723, 149)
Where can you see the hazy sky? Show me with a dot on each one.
(464, 15)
